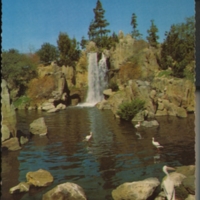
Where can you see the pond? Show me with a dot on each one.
(115, 155)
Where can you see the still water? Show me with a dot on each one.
(115, 155)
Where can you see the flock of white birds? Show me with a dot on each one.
(167, 185)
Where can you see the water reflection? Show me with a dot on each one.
(115, 155)
(139, 135)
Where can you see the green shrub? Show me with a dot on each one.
(165, 73)
(23, 100)
(128, 110)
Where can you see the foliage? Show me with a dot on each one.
(107, 41)
(22, 100)
(18, 68)
(135, 32)
(128, 110)
(178, 48)
(97, 29)
(165, 73)
(48, 53)
(152, 37)
(83, 42)
(68, 49)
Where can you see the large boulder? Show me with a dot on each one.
(65, 191)
(139, 190)
(189, 184)
(39, 178)
(38, 126)
(186, 170)
(7, 113)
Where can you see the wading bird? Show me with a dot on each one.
(137, 125)
(156, 144)
(168, 184)
(88, 137)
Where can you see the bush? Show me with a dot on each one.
(128, 110)
(23, 100)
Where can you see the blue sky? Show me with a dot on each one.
(27, 24)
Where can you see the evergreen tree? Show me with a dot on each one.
(83, 42)
(153, 37)
(100, 23)
(91, 31)
(97, 30)
(135, 32)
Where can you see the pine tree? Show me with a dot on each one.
(152, 38)
(91, 31)
(100, 23)
(97, 30)
(135, 32)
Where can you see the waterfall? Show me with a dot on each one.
(97, 79)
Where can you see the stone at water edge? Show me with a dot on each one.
(21, 187)
(38, 126)
(40, 178)
(11, 144)
(65, 191)
(138, 190)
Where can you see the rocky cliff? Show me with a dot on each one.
(132, 67)
(7, 113)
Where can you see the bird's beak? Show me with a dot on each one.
(171, 168)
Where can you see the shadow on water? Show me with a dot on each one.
(115, 155)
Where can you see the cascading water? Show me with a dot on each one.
(97, 80)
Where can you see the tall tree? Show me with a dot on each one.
(91, 31)
(48, 52)
(135, 32)
(178, 47)
(68, 50)
(100, 23)
(153, 37)
(83, 42)
(97, 30)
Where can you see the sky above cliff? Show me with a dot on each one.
(26, 25)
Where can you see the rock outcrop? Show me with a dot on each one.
(8, 114)
(65, 191)
(161, 97)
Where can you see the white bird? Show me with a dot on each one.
(137, 125)
(168, 184)
(156, 144)
(88, 137)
